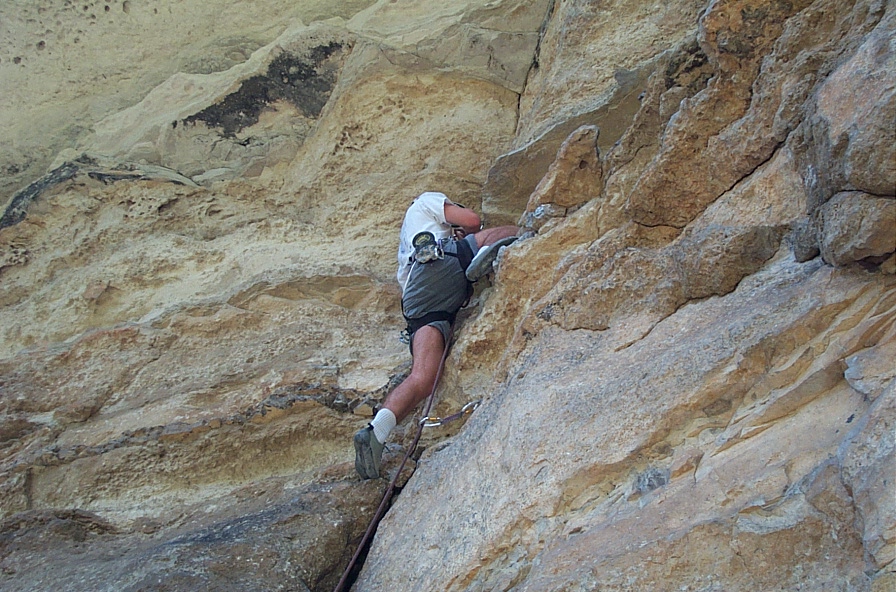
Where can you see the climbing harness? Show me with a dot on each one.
(387, 497)
(432, 422)
(426, 250)
(431, 317)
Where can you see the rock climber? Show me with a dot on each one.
(442, 250)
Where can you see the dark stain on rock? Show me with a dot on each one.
(304, 82)
(109, 177)
(689, 68)
(18, 207)
(22, 200)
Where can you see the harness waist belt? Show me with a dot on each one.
(430, 317)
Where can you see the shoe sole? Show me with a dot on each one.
(364, 461)
(483, 260)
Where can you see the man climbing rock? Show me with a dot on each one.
(442, 250)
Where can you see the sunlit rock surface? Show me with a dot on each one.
(686, 369)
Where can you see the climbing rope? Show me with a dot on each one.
(387, 497)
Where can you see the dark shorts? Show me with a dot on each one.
(437, 287)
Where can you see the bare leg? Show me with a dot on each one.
(428, 349)
(490, 236)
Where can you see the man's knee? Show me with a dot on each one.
(489, 236)
(420, 383)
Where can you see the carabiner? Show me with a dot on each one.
(470, 407)
(432, 422)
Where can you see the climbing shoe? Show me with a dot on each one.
(368, 453)
(482, 262)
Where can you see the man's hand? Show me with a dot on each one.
(459, 232)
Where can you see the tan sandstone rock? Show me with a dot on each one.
(854, 226)
(65, 67)
(684, 376)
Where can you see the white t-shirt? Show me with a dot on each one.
(427, 213)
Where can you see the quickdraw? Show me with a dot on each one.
(431, 422)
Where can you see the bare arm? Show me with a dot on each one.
(468, 220)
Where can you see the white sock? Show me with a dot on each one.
(383, 424)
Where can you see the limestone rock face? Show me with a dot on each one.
(684, 368)
(66, 67)
(235, 122)
(855, 226)
(493, 41)
(590, 68)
